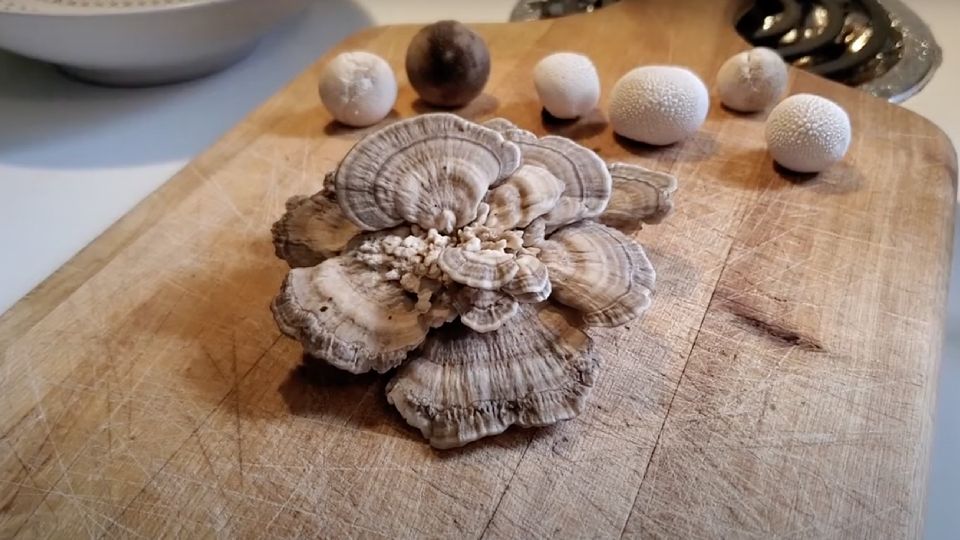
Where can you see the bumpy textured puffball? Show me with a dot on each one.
(567, 84)
(807, 133)
(658, 104)
(358, 88)
(752, 80)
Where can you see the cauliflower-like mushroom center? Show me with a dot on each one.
(414, 258)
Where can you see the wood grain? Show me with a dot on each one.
(781, 386)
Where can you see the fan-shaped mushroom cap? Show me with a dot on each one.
(484, 311)
(598, 271)
(463, 386)
(501, 125)
(535, 232)
(532, 282)
(485, 269)
(349, 315)
(528, 194)
(586, 181)
(639, 195)
(431, 170)
(584, 175)
(312, 229)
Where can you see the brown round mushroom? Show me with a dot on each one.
(448, 64)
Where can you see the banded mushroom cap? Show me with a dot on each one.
(349, 315)
(534, 233)
(531, 284)
(311, 230)
(529, 193)
(484, 311)
(639, 196)
(485, 269)
(463, 385)
(431, 170)
(586, 180)
(499, 124)
(598, 271)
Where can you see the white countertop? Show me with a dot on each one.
(74, 158)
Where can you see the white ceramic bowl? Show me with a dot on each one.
(138, 42)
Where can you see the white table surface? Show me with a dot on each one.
(74, 158)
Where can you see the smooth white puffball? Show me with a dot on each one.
(567, 84)
(658, 104)
(358, 88)
(807, 133)
(752, 80)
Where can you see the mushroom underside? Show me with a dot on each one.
(463, 385)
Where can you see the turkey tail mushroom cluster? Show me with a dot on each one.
(474, 258)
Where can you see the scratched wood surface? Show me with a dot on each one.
(781, 386)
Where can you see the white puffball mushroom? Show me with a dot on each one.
(658, 104)
(567, 84)
(358, 88)
(807, 133)
(752, 80)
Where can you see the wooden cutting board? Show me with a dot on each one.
(782, 385)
